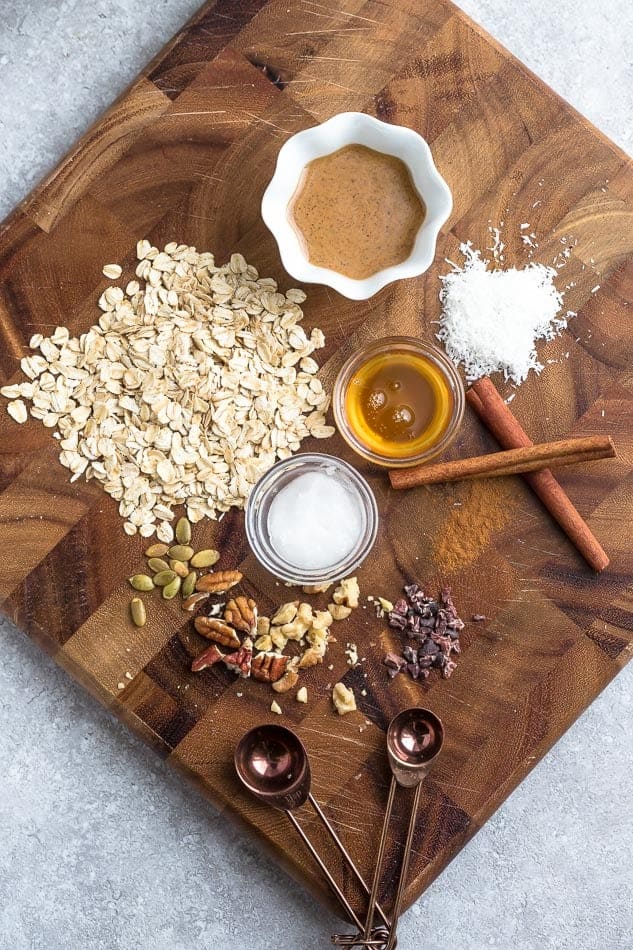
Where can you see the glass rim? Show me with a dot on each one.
(429, 350)
(256, 531)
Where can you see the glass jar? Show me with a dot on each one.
(278, 477)
(389, 346)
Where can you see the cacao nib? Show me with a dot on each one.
(434, 625)
(396, 620)
(413, 624)
(394, 663)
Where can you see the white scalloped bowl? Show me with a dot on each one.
(355, 128)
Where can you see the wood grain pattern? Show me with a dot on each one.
(185, 155)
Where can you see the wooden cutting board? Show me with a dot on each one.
(185, 155)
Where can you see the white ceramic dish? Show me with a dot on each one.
(355, 128)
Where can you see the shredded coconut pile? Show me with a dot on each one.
(491, 319)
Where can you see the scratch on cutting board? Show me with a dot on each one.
(214, 112)
(342, 29)
(333, 59)
(337, 736)
(344, 13)
(216, 36)
(532, 547)
(273, 125)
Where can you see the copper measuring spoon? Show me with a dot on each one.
(414, 740)
(272, 763)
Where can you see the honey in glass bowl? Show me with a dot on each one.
(399, 401)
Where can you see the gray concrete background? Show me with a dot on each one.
(102, 847)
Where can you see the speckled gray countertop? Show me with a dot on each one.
(102, 847)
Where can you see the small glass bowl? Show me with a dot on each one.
(260, 500)
(389, 344)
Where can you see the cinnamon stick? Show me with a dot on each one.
(495, 414)
(528, 458)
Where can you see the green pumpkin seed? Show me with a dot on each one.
(206, 558)
(179, 567)
(137, 611)
(181, 552)
(156, 564)
(163, 578)
(189, 583)
(183, 531)
(170, 590)
(156, 550)
(141, 582)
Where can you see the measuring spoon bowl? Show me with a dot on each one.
(272, 763)
(414, 740)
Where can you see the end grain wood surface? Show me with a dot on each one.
(185, 155)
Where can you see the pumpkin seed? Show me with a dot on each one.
(170, 590)
(137, 611)
(183, 531)
(179, 567)
(141, 582)
(156, 550)
(156, 564)
(206, 558)
(189, 583)
(181, 552)
(163, 578)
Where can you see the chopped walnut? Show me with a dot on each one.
(304, 613)
(264, 643)
(302, 695)
(285, 614)
(347, 592)
(263, 626)
(287, 681)
(295, 630)
(275, 707)
(312, 656)
(339, 611)
(322, 619)
(343, 699)
(277, 638)
(317, 588)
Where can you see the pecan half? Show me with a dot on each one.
(210, 656)
(218, 582)
(241, 613)
(269, 667)
(213, 629)
(193, 601)
(240, 661)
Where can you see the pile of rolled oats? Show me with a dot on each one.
(195, 380)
